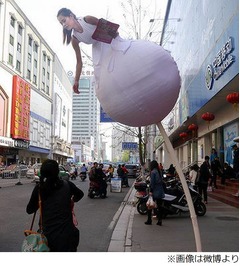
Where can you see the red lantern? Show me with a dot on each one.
(183, 135)
(193, 128)
(208, 117)
(233, 98)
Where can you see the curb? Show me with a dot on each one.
(121, 239)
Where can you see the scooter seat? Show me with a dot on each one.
(169, 197)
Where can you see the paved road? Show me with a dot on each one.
(97, 217)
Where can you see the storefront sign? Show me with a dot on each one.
(21, 144)
(222, 61)
(20, 116)
(7, 142)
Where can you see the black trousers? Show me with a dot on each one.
(202, 189)
(159, 211)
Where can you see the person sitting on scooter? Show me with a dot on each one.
(101, 179)
(83, 172)
(156, 191)
(92, 173)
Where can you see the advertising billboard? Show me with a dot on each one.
(20, 116)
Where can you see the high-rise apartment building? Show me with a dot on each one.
(86, 118)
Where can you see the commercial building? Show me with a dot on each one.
(32, 84)
(203, 38)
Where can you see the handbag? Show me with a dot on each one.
(151, 204)
(35, 241)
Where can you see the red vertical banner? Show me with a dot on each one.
(20, 116)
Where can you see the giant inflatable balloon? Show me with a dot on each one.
(138, 84)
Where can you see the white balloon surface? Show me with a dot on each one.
(142, 86)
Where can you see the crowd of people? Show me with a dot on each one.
(205, 176)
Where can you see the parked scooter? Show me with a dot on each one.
(175, 201)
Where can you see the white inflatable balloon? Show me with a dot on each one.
(139, 86)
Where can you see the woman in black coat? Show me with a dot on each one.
(56, 197)
(204, 176)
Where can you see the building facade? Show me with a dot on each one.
(27, 82)
(204, 41)
(85, 123)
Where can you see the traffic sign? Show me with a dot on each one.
(129, 146)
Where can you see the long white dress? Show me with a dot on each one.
(137, 81)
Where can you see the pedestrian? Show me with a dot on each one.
(110, 171)
(101, 179)
(125, 176)
(57, 197)
(213, 155)
(120, 172)
(204, 176)
(156, 191)
(171, 170)
(194, 175)
(216, 171)
(236, 160)
(228, 173)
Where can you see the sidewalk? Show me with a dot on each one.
(219, 230)
(8, 182)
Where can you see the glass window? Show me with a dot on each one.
(18, 65)
(34, 79)
(30, 41)
(28, 74)
(35, 48)
(19, 47)
(20, 30)
(10, 59)
(29, 57)
(12, 21)
(11, 40)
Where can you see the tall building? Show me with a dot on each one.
(30, 75)
(204, 41)
(86, 118)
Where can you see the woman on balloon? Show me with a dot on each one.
(139, 72)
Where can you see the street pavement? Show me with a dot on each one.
(219, 228)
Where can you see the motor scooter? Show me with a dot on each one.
(83, 176)
(95, 190)
(175, 202)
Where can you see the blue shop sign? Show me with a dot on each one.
(222, 61)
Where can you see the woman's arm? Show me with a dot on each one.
(75, 192)
(91, 20)
(75, 44)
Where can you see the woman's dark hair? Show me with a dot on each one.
(154, 164)
(67, 34)
(49, 179)
(195, 167)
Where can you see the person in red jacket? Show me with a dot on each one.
(125, 176)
